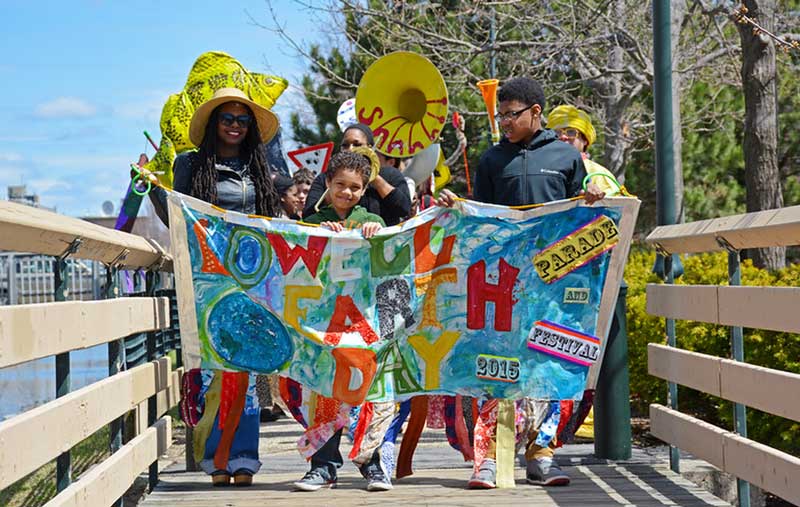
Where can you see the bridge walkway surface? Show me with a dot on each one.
(440, 477)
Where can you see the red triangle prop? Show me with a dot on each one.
(314, 158)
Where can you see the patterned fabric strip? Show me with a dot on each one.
(462, 433)
(227, 396)
(364, 420)
(436, 416)
(548, 428)
(567, 407)
(450, 422)
(485, 426)
(393, 431)
(191, 386)
(206, 422)
(419, 412)
(240, 382)
(505, 443)
(567, 435)
(291, 392)
(380, 420)
(315, 436)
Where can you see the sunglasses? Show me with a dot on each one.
(228, 119)
(568, 133)
(511, 115)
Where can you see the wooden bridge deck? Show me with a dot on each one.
(439, 478)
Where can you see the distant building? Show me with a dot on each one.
(19, 194)
(147, 224)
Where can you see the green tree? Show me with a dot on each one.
(324, 96)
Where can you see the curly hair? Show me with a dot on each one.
(204, 171)
(349, 161)
(303, 176)
(524, 89)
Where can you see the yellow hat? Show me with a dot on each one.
(571, 117)
(266, 119)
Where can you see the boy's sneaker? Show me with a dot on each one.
(484, 477)
(375, 476)
(313, 481)
(545, 472)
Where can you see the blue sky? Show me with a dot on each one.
(80, 83)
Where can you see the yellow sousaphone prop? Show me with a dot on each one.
(403, 99)
(429, 162)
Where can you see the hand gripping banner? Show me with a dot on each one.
(478, 300)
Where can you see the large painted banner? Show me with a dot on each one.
(477, 300)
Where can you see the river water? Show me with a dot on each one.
(30, 384)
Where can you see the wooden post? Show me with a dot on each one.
(739, 414)
(63, 377)
(151, 281)
(115, 365)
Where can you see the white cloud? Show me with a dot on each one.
(10, 157)
(65, 107)
(23, 139)
(44, 185)
(148, 108)
(10, 175)
(67, 164)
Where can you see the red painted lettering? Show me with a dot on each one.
(425, 260)
(479, 292)
(346, 310)
(288, 256)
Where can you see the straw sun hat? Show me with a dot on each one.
(266, 119)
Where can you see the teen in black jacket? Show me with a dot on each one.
(541, 170)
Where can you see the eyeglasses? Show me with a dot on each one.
(511, 115)
(568, 133)
(227, 119)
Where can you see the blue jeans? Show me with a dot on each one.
(328, 458)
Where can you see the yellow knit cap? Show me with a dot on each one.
(571, 117)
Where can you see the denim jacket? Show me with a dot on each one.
(235, 189)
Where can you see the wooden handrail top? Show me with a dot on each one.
(39, 330)
(778, 227)
(28, 229)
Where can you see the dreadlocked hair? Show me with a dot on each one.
(204, 171)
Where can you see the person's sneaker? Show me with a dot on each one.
(313, 481)
(545, 472)
(484, 477)
(377, 480)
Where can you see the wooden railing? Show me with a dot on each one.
(144, 393)
(772, 391)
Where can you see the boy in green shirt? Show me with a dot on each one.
(347, 177)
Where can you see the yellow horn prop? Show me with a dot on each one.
(441, 175)
(402, 97)
(488, 89)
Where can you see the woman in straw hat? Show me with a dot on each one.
(229, 170)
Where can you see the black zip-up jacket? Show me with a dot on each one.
(515, 174)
